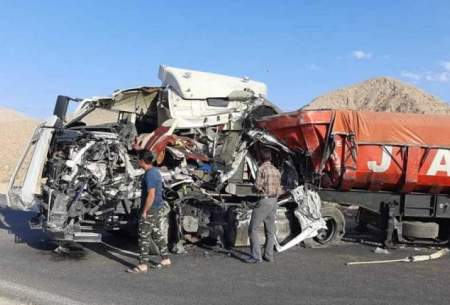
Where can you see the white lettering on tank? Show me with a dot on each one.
(437, 165)
(385, 161)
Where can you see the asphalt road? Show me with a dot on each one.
(30, 271)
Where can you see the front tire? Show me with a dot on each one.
(335, 222)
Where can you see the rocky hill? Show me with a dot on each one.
(381, 94)
(15, 130)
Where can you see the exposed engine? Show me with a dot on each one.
(91, 180)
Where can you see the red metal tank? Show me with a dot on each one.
(373, 151)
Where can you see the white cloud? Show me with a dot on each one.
(360, 55)
(446, 65)
(411, 75)
(429, 76)
(438, 77)
(441, 75)
(313, 67)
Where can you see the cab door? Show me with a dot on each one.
(25, 182)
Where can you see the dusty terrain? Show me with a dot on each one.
(15, 130)
(381, 94)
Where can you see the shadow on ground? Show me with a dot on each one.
(123, 249)
(116, 247)
(15, 223)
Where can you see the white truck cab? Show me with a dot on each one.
(80, 173)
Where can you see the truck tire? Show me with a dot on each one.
(335, 224)
(419, 229)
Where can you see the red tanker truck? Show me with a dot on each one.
(395, 166)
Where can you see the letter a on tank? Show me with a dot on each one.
(441, 163)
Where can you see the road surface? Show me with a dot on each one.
(30, 271)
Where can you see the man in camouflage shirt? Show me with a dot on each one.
(151, 214)
(268, 184)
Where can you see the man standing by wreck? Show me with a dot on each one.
(151, 216)
(268, 183)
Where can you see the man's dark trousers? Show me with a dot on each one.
(265, 213)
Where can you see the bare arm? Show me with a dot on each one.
(148, 201)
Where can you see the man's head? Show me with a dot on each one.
(146, 159)
(266, 155)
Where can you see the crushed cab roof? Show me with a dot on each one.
(190, 84)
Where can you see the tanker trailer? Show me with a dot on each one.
(395, 166)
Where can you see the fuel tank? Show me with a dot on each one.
(372, 151)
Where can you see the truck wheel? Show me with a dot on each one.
(335, 224)
(418, 229)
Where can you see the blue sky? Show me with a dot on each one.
(300, 49)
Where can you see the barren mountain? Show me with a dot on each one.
(8, 115)
(15, 130)
(381, 94)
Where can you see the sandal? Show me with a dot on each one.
(166, 265)
(137, 269)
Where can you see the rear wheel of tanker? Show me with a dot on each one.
(335, 222)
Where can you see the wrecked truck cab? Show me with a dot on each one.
(81, 170)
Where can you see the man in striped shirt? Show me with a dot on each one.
(268, 184)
